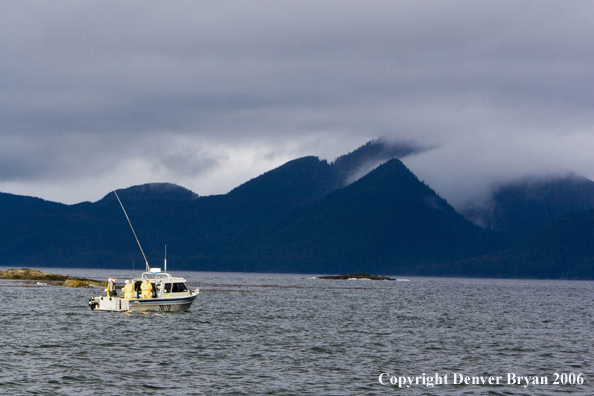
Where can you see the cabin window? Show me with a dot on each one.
(179, 287)
(167, 288)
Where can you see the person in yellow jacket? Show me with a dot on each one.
(146, 288)
(111, 288)
(128, 290)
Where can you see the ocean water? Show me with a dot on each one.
(273, 334)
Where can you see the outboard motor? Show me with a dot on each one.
(92, 304)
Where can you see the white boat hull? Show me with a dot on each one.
(168, 304)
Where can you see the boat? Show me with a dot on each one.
(168, 294)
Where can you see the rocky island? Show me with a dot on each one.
(357, 276)
(54, 279)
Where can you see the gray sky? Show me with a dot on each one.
(99, 95)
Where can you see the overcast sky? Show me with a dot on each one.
(100, 95)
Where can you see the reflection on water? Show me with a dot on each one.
(294, 334)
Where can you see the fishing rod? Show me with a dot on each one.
(129, 222)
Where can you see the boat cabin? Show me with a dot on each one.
(164, 285)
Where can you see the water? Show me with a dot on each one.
(275, 334)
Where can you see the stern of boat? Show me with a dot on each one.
(109, 304)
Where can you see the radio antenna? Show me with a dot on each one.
(129, 222)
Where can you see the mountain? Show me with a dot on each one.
(523, 208)
(311, 216)
(36, 232)
(276, 193)
(352, 166)
(24, 220)
(388, 221)
(155, 191)
(565, 250)
(257, 204)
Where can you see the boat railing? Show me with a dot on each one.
(157, 275)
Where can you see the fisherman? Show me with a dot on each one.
(146, 288)
(128, 290)
(111, 288)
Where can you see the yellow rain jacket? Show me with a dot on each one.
(146, 288)
(128, 290)
(111, 289)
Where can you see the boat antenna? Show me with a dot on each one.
(129, 222)
(165, 258)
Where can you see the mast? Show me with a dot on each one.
(137, 241)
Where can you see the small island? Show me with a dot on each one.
(54, 279)
(357, 276)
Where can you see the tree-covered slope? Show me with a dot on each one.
(524, 208)
(310, 216)
(387, 221)
(564, 250)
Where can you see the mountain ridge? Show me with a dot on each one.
(307, 215)
(347, 226)
(527, 206)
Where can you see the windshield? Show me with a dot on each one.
(179, 287)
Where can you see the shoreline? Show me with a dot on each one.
(53, 279)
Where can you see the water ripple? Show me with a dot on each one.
(288, 334)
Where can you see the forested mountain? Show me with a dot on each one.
(523, 208)
(388, 221)
(563, 250)
(309, 216)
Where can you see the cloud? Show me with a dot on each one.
(100, 95)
